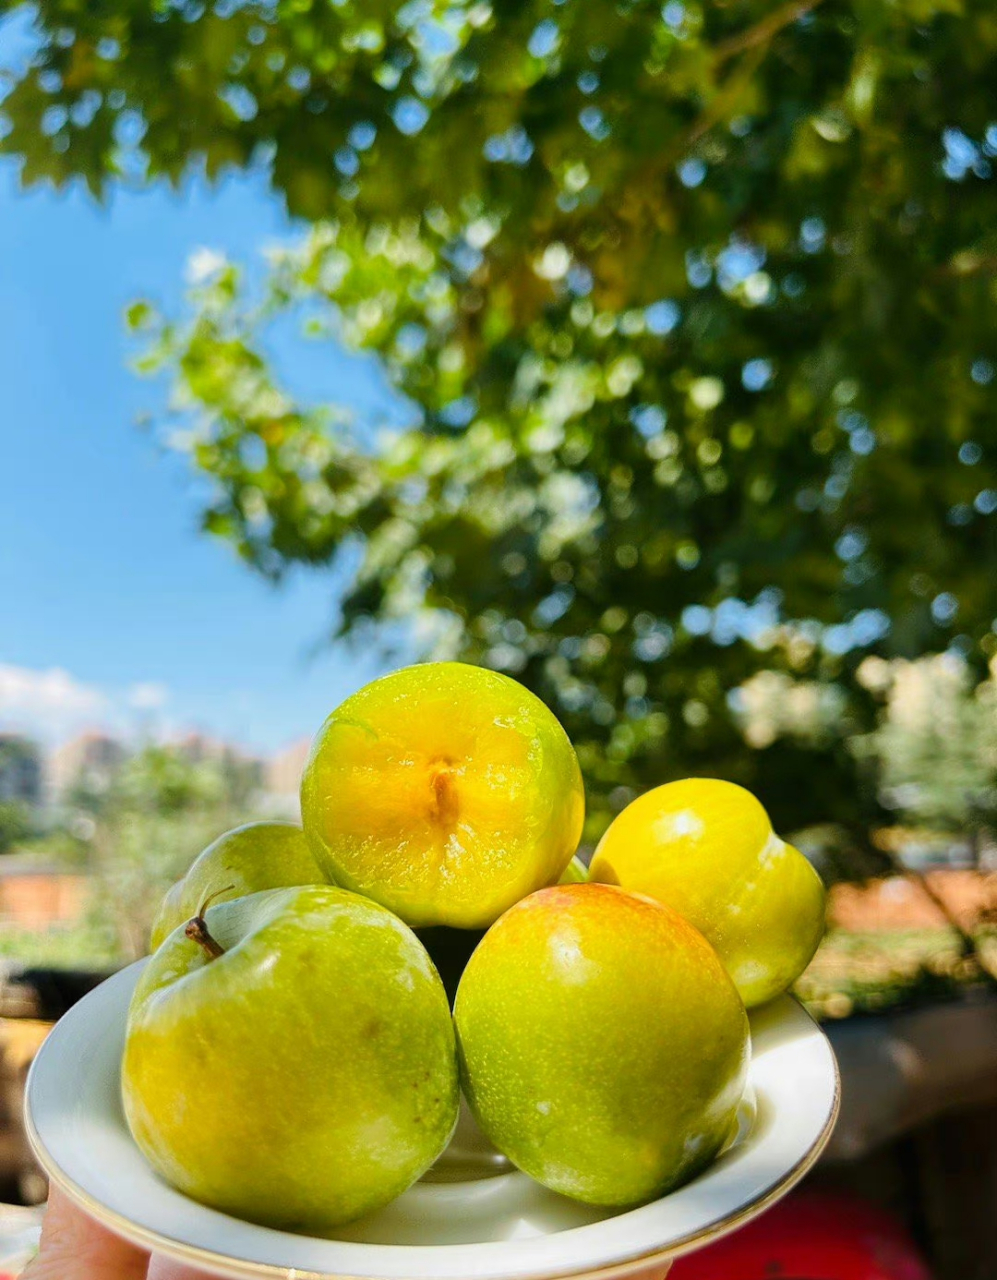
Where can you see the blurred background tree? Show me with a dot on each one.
(19, 779)
(142, 832)
(15, 824)
(937, 745)
(690, 308)
(131, 824)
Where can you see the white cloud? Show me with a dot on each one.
(46, 703)
(52, 705)
(148, 696)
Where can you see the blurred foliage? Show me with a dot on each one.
(691, 306)
(15, 824)
(860, 972)
(936, 746)
(142, 834)
(89, 945)
(20, 788)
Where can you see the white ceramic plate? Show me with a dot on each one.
(495, 1224)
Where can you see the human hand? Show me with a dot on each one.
(74, 1247)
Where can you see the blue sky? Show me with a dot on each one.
(104, 576)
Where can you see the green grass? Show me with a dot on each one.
(80, 946)
(875, 972)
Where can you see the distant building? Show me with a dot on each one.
(86, 763)
(282, 779)
(198, 748)
(20, 771)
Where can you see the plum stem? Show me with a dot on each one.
(197, 929)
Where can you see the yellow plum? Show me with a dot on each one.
(444, 791)
(706, 848)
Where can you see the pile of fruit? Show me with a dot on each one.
(291, 1056)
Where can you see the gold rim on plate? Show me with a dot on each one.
(191, 1255)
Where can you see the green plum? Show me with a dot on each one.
(604, 1048)
(290, 1059)
(444, 791)
(257, 856)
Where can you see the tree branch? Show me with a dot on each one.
(762, 32)
(725, 98)
(755, 40)
(968, 944)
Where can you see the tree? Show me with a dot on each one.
(692, 307)
(937, 743)
(15, 824)
(161, 810)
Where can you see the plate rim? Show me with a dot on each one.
(233, 1268)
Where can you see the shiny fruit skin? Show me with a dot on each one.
(444, 791)
(248, 859)
(450, 949)
(303, 1078)
(603, 1047)
(706, 848)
